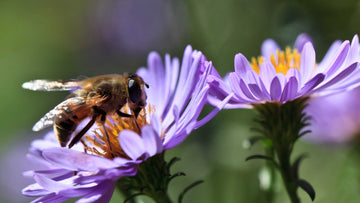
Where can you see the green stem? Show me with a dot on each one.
(269, 192)
(283, 124)
(288, 177)
(161, 197)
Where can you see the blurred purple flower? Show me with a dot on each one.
(175, 100)
(335, 118)
(11, 182)
(139, 25)
(283, 76)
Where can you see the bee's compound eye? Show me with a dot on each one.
(131, 83)
(134, 91)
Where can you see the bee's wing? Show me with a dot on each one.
(48, 119)
(46, 85)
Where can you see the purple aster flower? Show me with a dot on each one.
(278, 85)
(90, 169)
(287, 75)
(335, 118)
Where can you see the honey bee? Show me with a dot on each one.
(93, 98)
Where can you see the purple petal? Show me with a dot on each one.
(307, 64)
(156, 86)
(189, 116)
(293, 72)
(339, 76)
(53, 172)
(252, 77)
(235, 85)
(348, 85)
(218, 87)
(213, 71)
(194, 108)
(351, 82)
(172, 73)
(128, 169)
(339, 58)
(312, 84)
(78, 190)
(256, 91)
(187, 80)
(269, 47)
(242, 65)
(290, 90)
(354, 51)
(185, 64)
(50, 184)
(188, 119)
(267, 73)
(265, 91)
(188, 73)
(132, 144)
(156, 67)
(328, 58)
(44, 144)
(102, 193)
(50, 198)
(90, 180)
(246, 90)
(34, 190)
(301, 40)
(156, 124)
(211, 115)
(36, 157)
(176, 114)
(143, 72)
(282, 79)
(275, 89)
(74, 160)
(219, 91)
(201, 82)
(152, 141)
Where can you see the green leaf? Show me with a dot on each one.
(296, 165)
(181, 196)
(259, 156)
(177, 175)
(171, 162)
(306, 186)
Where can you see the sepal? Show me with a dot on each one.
(306, 186)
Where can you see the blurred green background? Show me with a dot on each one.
(67, 39)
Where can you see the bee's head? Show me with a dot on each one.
(137, 95)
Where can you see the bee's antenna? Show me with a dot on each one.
(137, 125)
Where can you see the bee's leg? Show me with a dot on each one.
(102, 120)
(82, 132)
(136, 113)
(137, 124)
(85, 146)
(121, 114)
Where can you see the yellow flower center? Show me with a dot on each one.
(109, 147)
(282, 61)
